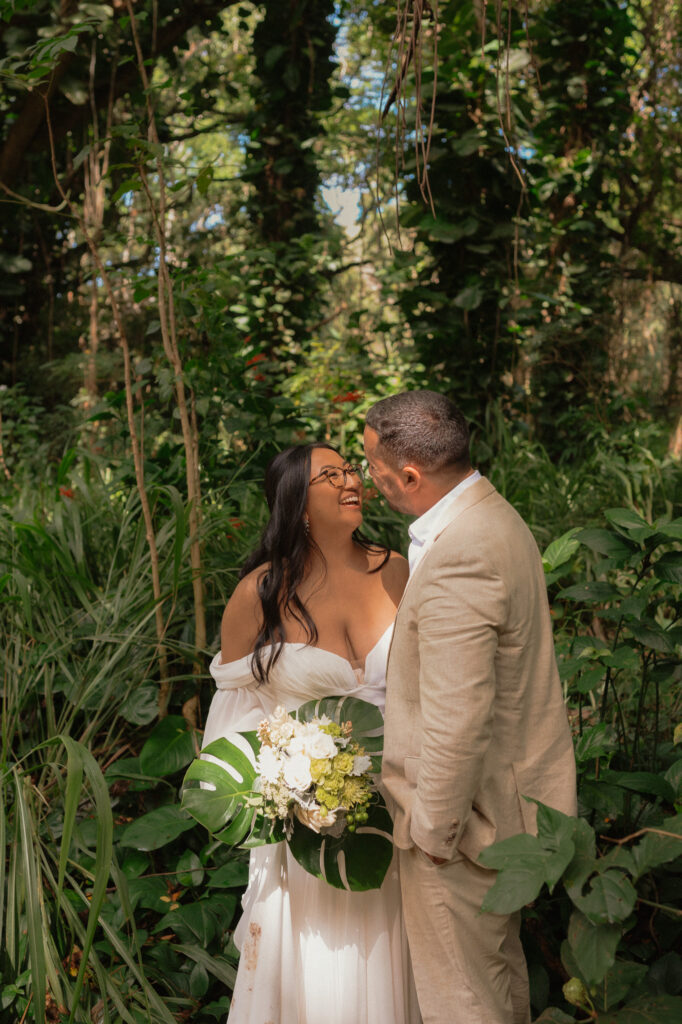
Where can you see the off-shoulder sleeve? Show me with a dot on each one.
(239, 703)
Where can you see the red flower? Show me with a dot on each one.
(66, 492)
(258, 358)
(236, 524)
(350, 396)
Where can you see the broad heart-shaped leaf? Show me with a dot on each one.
(669, 567)
(652, 1009)
(596, 590)
(622, 978)
(521, 863)
(673, 529)
(560, 550)
(157, 828)
(593, 946)
(610, 898)
(555, 832)
(169, 748)
(366, 719)
(355, 861)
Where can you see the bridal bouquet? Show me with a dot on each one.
(308, 779)
(314, 771)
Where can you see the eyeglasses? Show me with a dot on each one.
(337, 476)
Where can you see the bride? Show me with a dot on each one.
(312, 616)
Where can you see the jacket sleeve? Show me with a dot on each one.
(463, 610)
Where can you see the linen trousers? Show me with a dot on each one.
(469, 966)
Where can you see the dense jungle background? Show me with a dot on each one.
(229, 226)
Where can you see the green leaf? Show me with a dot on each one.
(191, 921)
(640, 782)
(189, 870)
(651, 635)
(470, 297)
(169, 747)
(630, 523)
(596, 590)
(596, 741)
(669, 567)
(365, 718)
(560, 550)
(621, 979)
(157, 829)
(555, 832)
(356, 861)
(655, 849)
(213, 795)
(593, 946)
(610, 898)
(674, 777)
(673, 529)
(607, 543)
(652, 1009)
(521, 863)
(232, 875)
(553, 1015)
(142, 705)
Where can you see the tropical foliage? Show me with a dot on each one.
(180, 300)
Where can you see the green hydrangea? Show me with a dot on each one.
(319, 766)
(343, 762)
(333, 783)
(327, 799)
(333, 729)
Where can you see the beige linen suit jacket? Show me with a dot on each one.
(475, 718)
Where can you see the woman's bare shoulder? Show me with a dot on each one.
(242, 617)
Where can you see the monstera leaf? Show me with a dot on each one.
(220, 794)
(366, 719)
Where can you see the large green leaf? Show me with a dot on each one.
(218, 795)
(596, 590)
(610, 898)
(366, 719)
(593, 946)
(156, 829)
(521, 863)
(630, 523)
(553, 1015)
(169, 747)
(607, 543)
(355, 861)
(654, 1009)
(640, 782)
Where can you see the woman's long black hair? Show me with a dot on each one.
(285, 546)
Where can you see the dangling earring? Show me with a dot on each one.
(306, 526)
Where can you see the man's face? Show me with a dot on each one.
(387, 479)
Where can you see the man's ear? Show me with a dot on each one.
(412, 477)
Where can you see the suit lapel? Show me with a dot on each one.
(469, 497)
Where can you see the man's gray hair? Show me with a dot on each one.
(422, 427)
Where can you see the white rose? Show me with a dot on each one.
(297, 772)
(317, 743)
(268, 764)
(362, 763)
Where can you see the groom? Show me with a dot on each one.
(475, 719)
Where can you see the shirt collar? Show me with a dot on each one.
(422, 529)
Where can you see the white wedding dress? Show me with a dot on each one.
(310, 953)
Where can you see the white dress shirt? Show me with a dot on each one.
(421, 531)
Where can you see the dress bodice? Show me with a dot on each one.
(301, 673)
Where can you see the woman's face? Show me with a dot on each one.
(330, 507)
